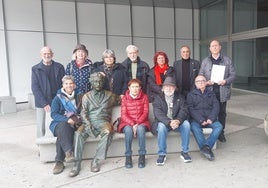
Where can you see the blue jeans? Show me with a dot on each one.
(162, 132)
(197, 130)
(141, 129)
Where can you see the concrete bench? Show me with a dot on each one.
(8, 104)
(48, 148)
(31, 101)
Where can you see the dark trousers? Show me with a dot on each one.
(65, 138)
(222, 115)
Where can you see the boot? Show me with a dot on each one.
(222, 138)
(59, 167)
(76, 169)
(128, 163)
(141, 163)
(95, 166)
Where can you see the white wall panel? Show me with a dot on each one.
(91, 18)
(119, 44)
(184, 23)
(4, 91)
(143, 22)
(62, 46)
(95, 45)
(24, 52)
(167, 46)
(59, 16)
(118, 20)
(146, 49)
(164, 18)
(23, 15)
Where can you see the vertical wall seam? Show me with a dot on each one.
(6, 46)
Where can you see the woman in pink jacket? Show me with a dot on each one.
(134, 120)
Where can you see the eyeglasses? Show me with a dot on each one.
(200, 81)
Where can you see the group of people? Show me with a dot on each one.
(80, 101)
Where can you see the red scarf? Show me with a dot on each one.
(158, 71)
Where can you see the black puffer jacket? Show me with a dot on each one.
(118, 81)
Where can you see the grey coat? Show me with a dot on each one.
(229, 75)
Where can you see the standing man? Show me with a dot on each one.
(222, 88)
(186, 70)
(135, 67)
(46, 80)
(96, 115)
(170, 111)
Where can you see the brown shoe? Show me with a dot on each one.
(95, 166)
(69, 157)
(59, 167)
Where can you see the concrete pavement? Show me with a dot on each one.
(240, 162)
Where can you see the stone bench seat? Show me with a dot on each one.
(47, 144)
(7, 104)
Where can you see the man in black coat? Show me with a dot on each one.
(186, 70)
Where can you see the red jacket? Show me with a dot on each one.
(134, 111)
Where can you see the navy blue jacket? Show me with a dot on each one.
(203, 106)
(40, 83)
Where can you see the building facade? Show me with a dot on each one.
(152, 25)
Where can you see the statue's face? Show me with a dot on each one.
(97, 83)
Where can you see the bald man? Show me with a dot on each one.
(46, 80)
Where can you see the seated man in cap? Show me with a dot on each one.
(171, 113)
(96, 115)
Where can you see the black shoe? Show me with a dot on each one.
(222, 138)
(161, 160)
(206, 151)
(128, 163)
(186, 157)
(141, 163)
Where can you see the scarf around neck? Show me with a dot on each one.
(158, 71)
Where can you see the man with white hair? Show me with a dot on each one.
(135, 67)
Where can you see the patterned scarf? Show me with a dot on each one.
(158, 71)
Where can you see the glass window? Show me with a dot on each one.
(251, 62)
(214, 20)
(248, 15)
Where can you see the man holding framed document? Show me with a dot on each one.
(220, 73)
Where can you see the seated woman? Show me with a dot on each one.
(134, 120)
(65, 119)
(158, 74)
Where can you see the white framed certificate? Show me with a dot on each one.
(217, 73)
